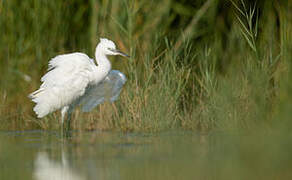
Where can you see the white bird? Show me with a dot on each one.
(74, 79)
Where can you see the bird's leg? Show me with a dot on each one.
(69, 112)
(63, 114)
(68, 121)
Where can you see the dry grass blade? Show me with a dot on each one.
(249, 41)
(239, 10)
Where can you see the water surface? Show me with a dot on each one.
(45, 155)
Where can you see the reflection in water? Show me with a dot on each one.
(177, 155)
(47, 169)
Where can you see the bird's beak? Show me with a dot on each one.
(121, 53)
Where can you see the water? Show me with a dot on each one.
(45, 155)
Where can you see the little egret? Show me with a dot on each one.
(74, 79)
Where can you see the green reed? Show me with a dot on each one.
(190, 67)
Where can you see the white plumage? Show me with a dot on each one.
(74, 79)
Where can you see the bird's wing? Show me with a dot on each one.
(108, 89)
(62, 67)
(66, 81)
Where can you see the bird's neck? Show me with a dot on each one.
(102, 61)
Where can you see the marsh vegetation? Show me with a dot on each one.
(204, 65)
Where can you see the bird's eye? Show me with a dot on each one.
(111, 49)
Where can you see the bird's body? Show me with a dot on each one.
(74, 79)
(66, 81)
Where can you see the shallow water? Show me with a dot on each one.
(45, 155)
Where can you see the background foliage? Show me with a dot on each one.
(197, 65)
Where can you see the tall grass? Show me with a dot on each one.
(191, 67)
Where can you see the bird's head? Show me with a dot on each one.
(108, 47)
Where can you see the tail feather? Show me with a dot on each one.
(43, 99)
(34, 94)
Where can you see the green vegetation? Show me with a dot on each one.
(209, 65)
